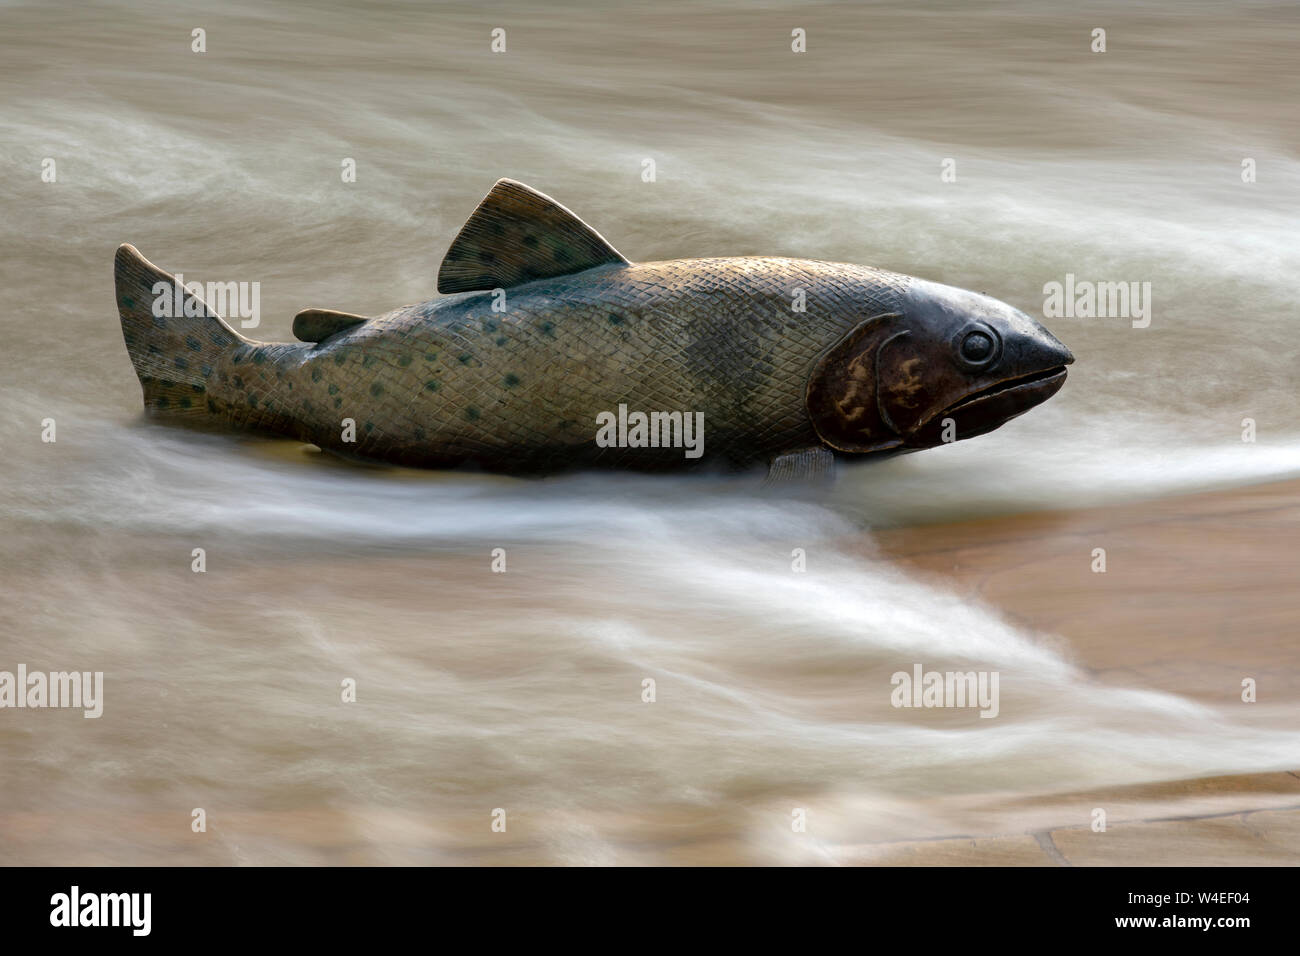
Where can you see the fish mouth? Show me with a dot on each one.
(986, 409)
(1052, 378)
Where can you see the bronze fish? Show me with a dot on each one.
(551, 351)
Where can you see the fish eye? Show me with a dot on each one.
(978, 347)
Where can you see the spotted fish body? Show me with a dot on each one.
(554, 328)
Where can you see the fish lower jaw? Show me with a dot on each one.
(988, 408)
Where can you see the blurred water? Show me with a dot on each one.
(479, 690)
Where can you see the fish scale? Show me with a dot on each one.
(740, 355)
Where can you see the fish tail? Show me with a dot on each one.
(174, 345)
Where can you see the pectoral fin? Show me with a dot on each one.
(807, 465)
(316, 325)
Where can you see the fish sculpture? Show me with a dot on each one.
(548, 351)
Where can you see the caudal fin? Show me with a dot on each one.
(174, 353)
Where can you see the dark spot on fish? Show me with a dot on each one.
(530, 241)
(472, 413)
(259, 357)
(419, 433)
(547, 329)
(161, 402)
(367, 360)
(333, 389)
(315, 373)
(154, 350)
(198, 387)
(207, 371)
(615, 319)
(431, 385)
(180, 363)
(376, 389)
(339, 358)
(212, 406)
(431, 356)
(219, 340)
(501, 340)
(498, 229)
(404, 359)
(128, 302)
(511, 380)
(185, 402)
(252, 399)
(338, 402)
(238, 382)
(465, 358)
(193, 344)
(236, 358)
(369, 426)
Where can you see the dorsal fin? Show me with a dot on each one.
(316, 325)
(517, 235)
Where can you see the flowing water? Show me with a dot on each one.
(523, 691)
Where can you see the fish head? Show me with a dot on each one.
(951, 364)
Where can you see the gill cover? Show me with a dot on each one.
(843, 397)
